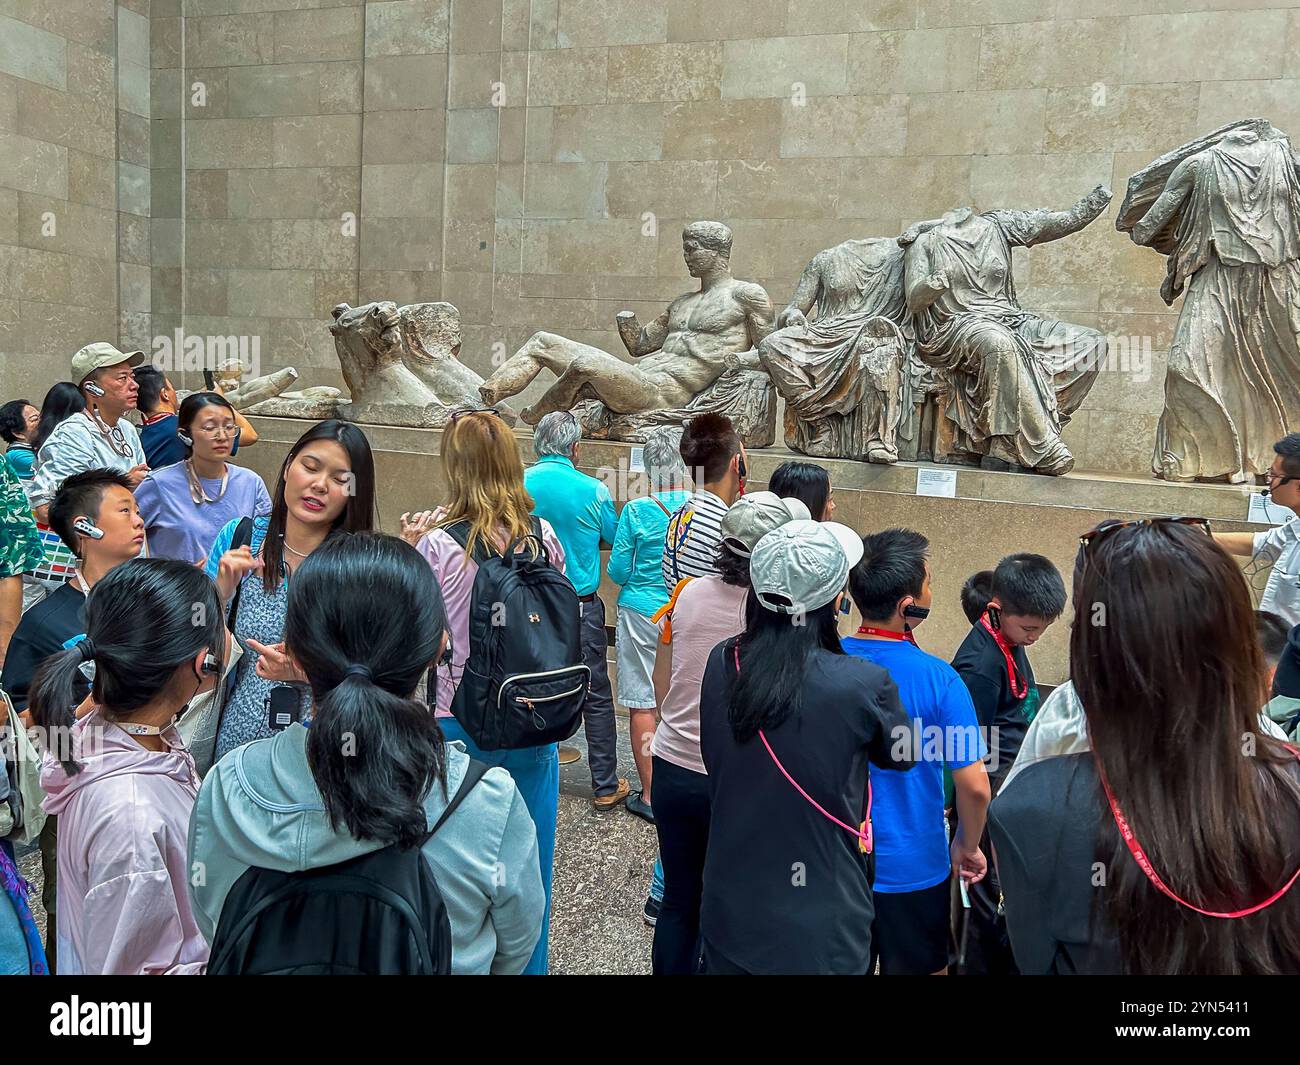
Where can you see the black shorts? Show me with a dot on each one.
(909, 935)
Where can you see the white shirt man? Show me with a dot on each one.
(99, 437)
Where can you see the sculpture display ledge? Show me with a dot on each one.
(1082, 490)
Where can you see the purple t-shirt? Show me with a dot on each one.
(178, 527)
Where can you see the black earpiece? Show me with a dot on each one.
(741, 471)
(210, 663)
(995, 617)
(920, 613)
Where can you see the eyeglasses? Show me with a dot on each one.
(1088, 539)
(228, 428)
(456, 415)
(1276, 480)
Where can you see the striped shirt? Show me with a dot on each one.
(693, 538)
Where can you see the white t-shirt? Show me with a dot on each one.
(1281, 546)
(693, 537)
(77, 445)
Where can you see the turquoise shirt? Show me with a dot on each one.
(580, 510)
(637, 559)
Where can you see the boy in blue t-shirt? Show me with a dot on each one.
(909, 936)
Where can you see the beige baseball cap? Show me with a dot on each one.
(753, 516)
(98, 355)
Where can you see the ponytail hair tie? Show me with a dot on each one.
(86, 649)
(358, 671)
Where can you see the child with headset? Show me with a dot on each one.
(120, 779)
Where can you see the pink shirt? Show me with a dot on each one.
(707, 612)
(455, 573)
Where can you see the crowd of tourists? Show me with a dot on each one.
(250, 733)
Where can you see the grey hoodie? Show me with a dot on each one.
(259, 806)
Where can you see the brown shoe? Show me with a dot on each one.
(608, 802)
(569, 755)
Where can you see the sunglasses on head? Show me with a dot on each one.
(462, 412)
(1102, 531)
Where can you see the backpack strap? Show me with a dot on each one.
(660, 504)
(472, 776)
(459, 531)
(665, 612)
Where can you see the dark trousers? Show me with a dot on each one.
(988, 944)
(598, 710)
(681, 808)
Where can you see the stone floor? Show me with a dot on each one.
(602, 875)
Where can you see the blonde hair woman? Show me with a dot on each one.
(485, 479)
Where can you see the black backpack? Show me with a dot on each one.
(524, 682)
(380, 914)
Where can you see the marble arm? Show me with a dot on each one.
(1167, 203)
(760, 320)
(804, 299)
(922, 286)
(640, 341)
(1043, 224)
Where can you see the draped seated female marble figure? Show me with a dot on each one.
(1225, 209)
(1015, 378)
(848, 377)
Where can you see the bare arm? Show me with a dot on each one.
(640, 341)
(11, 610)
(972, 793)
(663, 671)
(759, 318)
(247, 434)
(1040, 226)
(1240, 543)
(805, 296)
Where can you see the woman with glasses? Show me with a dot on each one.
(1168, 842)
(184, 506)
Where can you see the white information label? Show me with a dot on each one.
(1268, 512)
(936, 483)
(636, 461)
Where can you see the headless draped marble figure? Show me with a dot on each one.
(679, 355)
(1228, 217)
(844, 375)
(1015, 378)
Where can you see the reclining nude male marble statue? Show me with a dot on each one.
(849, 378)
(1225, 209)
(1014, 378)
(680, 366)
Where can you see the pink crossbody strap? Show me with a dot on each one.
(864, 833)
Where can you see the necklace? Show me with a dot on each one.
(197, 492)
(300, 554)
(114, 436)
(142, 730)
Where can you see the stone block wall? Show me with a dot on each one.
(533, 161)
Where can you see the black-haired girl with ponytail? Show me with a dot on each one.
(364, 623)
(119, 778)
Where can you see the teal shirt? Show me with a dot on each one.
(637, 559)
(580, 510)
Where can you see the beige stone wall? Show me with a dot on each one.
(68, 112)
(533, 161)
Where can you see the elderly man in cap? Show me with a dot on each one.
(99, 437)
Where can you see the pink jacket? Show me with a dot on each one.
(123, 822)
(455, 574)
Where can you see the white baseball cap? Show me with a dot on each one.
(802, 565)
(753, 516)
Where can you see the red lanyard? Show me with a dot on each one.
(1006, 653)
(886, 634)
(154, 418)
(1144, 863)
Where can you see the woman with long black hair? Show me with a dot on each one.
(1173, 845)
(120, 779)
(364, 622)
(806, 482)
(788, 727)
(326, 485)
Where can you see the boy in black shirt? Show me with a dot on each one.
(94, 502)
(1028, 595)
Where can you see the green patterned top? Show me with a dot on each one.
(20, 542)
